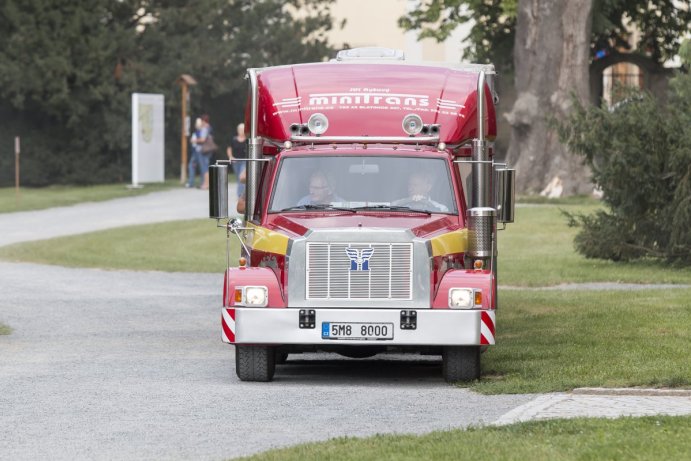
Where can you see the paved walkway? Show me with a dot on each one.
(181, 203)
(601, 403)
(169, 205)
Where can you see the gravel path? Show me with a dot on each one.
(170, 205)
(123, 365)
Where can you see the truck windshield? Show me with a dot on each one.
(364, 182)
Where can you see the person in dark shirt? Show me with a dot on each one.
(238, 150)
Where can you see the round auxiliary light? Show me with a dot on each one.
(412, 124)
(318, 123)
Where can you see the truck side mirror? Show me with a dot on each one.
(218, 191)
(505, 199)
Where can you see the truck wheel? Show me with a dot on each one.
(255, 363)
(461, 363)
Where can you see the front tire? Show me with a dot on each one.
(255, 363)
(461, 363)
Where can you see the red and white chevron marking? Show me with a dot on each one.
(487, 327)
(228, 325)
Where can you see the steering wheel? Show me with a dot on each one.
(422, 204)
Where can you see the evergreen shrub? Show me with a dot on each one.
(640, 154)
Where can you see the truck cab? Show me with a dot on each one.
(359, 236)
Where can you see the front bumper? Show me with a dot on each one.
(435, 327)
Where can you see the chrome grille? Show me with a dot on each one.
(329, 274)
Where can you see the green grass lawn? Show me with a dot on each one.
(571, 200)
(650, 438)
(537, 250)
(48, 197)
(561, 340)
(180, 246)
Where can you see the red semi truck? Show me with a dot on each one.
(371, 215)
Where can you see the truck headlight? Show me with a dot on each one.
(464, 298)
(252, 296)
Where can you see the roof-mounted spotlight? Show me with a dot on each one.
(318, 123)
(412, 124)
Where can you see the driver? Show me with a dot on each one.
(419, 187)
(320, 191)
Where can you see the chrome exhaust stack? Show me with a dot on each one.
(480, 230)
(255, 149)
(481, 216)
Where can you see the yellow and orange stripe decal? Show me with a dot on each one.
(451, 242)
(262, 239)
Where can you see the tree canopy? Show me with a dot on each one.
(68, 68)
(549, 46)
(661, 22)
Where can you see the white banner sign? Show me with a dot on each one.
(147, 138)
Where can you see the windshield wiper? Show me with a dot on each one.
(392, 208)
(320, 206)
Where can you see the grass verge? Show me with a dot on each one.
(537, 250)
(180, 246)
(571, 200)
(650, 438)
(53, 196)
(560, 340)
(5, 330)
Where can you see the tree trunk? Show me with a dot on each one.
(551, 57)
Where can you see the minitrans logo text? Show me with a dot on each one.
(348, 99)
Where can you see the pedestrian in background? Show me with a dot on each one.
(208, 147)
(195, 159)
(238, 150)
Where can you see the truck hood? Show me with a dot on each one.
(372, 99)
(421, 225)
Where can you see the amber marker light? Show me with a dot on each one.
(478, 298)
(242, 261)
(478, 264)
(238, 295)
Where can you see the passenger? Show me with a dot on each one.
(320, 191)
(419, 188)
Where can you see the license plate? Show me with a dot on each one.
(358, 331)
